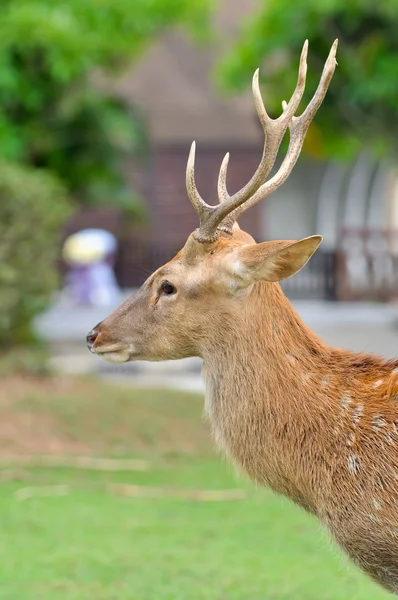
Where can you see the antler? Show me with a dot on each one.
(223, 216)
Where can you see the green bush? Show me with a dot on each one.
(33, 207)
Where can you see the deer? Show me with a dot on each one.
(315, 423)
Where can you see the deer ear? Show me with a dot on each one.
(274, 261)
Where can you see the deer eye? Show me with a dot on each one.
(167, 288)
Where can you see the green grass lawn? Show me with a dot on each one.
(91, 544)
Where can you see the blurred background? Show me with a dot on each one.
(110, 484)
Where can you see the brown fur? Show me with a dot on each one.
(317, 424)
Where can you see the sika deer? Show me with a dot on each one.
(314, 423)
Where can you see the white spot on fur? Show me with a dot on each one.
(394, 371)
(345, 401)
(275, 328)
(353, 464)
(292, 359)
(379, 421)
(372, 517)
(376, 504)
(377, 383)
(306, 377)
(357, 414)
(325, 381)
(350, 439)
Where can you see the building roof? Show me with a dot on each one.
(173, 84)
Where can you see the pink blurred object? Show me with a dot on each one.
(91, 280)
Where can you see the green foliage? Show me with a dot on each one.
(29, 360)
(361, 106)
(51, 115)
(33, 206)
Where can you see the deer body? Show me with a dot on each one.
(316, 424)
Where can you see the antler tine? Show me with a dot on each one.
(222, 180)
(192, 190)
(225, 214)
(274, 130)
(297, 95)
(317, 99)
(202, 208)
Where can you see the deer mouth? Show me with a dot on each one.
(115, 354)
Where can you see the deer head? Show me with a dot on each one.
(184, 306)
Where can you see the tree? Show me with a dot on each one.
(361, 106)
(51, 115)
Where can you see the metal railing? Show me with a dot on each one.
(316, 281)
(367, 264)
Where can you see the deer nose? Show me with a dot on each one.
(91, 337)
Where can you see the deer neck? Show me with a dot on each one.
(264, 394)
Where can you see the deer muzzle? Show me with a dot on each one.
(98, 343)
